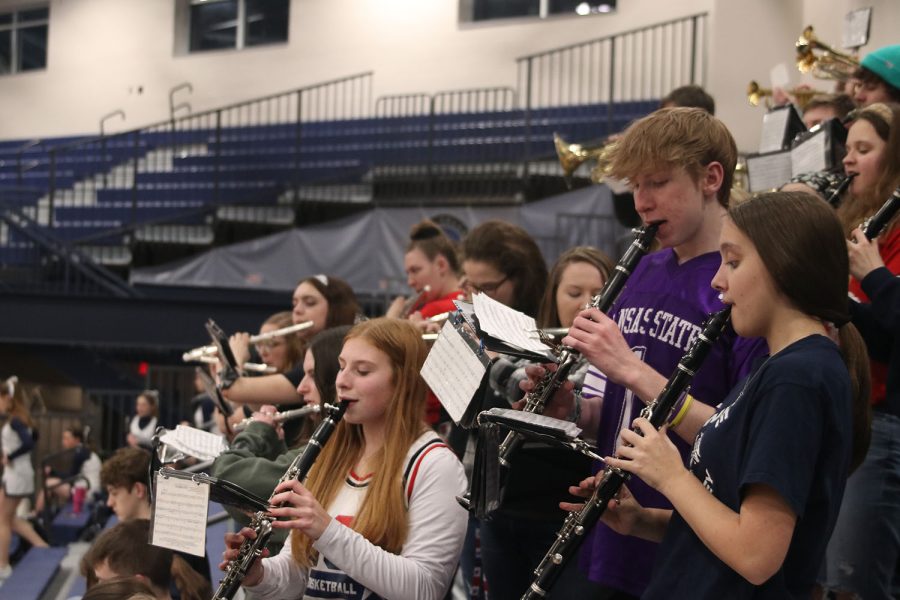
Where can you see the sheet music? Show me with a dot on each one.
(769, 171)
(453, 371)
(810, 156)
(195, 442)
(774, 125)
(856, 28)
(467, 310)
(569, 429)
(178, 518)
(513, 327)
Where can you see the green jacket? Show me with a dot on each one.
(256, 461)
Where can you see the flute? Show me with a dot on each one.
(281, 417)
(198, 354)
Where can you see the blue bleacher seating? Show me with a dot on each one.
(32, 575)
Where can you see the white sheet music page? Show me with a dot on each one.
(514, 327)
(774, 125)
(195, 442)
(453, 371)
(178, 519)
(809, 156)
(769, 171)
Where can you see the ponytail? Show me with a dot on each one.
(853, 350)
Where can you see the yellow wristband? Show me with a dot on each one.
(685, 407)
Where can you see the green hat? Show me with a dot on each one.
(885, 62)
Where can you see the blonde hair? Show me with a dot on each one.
(18, 406)
(382, 518)
(689, 138)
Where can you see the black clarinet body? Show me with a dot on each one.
(261, 523)
(567, 358)
(875, 224)
(578, 524)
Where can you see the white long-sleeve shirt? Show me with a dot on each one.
(351, 567)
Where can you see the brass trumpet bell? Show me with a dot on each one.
(572, 156)
(802, 95)
(828, 64)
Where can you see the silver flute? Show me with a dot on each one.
(281, 417)
(197, 354)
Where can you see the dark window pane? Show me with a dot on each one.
(5, 18)
(32, 48)
(5, 51)
(267, 22)
(214, 25)
(34, 14)
(499, 9)
(581, 6)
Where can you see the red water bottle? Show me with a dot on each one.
(78, 494)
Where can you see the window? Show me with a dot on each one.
(484, 10)
(23, 40)
(218, 24)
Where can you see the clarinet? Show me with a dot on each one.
(543, 391)
(261, 523)
(875, 224)
(577, 524)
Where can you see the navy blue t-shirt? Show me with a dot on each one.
(788, 425)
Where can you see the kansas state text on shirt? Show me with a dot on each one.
(659, 324)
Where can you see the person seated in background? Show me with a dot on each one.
(690, 96)
(124, 551)
(125, 477)
(84, 462)
(432, 271)
(326, 301)
(142, 426)
(878, 77)
(824, 107)
(258, 456)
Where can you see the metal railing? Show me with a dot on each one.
(331, 144)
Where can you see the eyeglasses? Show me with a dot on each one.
(267, 345)
(484, 288)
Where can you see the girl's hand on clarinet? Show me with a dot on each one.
(584, 489)
(233, 542)
(301, 507)
(650, 455)
(561, 405)
(623, 512)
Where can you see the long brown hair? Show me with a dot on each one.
(382, 518)
(18, 407)
(343, 307)
(802, 245)
(548, 315)
(884, 119)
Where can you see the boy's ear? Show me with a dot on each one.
(713, 176)
(139, 489)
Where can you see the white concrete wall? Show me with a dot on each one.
(101, 52)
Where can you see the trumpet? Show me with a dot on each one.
(281, 417)
(572, 156)
(802, 95)
(198, 354)
(829, 64)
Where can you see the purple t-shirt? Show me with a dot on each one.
(660, 312)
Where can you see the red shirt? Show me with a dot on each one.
(889, 248)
